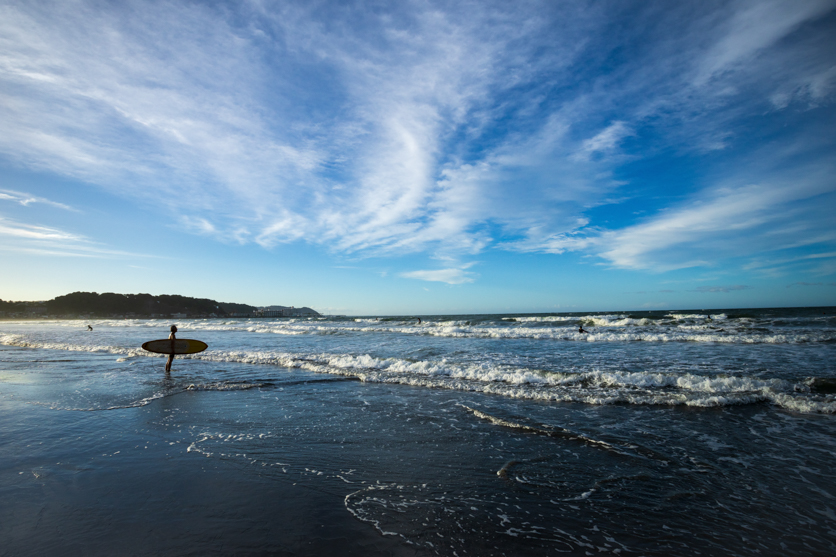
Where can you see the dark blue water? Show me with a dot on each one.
(653, 434)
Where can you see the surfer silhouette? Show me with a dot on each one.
(580, 329)
(89, 327)
(171, 355)
(419, 320)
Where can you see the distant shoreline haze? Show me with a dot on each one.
(108, 304)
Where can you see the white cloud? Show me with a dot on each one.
(199, 225)
(16, 237)
(773, 262)
(728, 211)
(452, 275)
(607, 140)
(724, 289)
(780, 216)
(110, 97)
(726, 222)
(423, 127)
(26, 199)
(170, 100)
(817, 264)
(755, 26)
(30, 232)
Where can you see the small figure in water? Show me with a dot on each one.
(580, 329)
(89, 327)
(171, 355)
(419, 320)
(709, 317)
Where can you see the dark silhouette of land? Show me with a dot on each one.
(108, 304)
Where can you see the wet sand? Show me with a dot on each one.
(122, 482)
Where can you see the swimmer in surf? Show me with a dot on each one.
(171, 355)
(580, 329)
(89, 327)
(419, 320)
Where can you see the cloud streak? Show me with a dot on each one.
(704, 228)
(16, 237)
(436, 128)
(452, 275)
(26, 199)
(29, 232)
(723, 289)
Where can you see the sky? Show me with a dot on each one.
(421, 157)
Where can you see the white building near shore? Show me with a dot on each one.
(285, 311)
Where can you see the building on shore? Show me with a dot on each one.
(285, 311)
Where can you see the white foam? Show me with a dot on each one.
(805, 404)
(700, 316)
(686, 381)
(596, 387)
(546, 319)
(525, 381)
(601, 328)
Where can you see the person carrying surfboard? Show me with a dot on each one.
(171, 354)
(173, 345)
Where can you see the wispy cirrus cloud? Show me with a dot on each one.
(784, 215)
(450, 275)
(423, 127)
(753, 27)
(723, 289)
(26, 199)
(702, 228)
(607, 140)
(31, 232)
(16, 237)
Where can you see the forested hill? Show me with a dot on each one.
(109, 304)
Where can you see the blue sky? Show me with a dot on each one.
(421, 157)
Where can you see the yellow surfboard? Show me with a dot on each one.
(176, 346)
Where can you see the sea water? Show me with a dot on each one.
(651, 433)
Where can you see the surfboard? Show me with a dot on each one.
(181, 346)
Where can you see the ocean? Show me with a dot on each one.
(653, 433)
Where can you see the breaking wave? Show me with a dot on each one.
(590, 387)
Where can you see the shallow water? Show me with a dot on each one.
(473, 435)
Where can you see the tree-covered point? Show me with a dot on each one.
(12, 306)
(109, 304)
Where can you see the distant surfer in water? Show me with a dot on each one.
(580, 329)
(89, 327)
(171, 355)
(419, 320)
